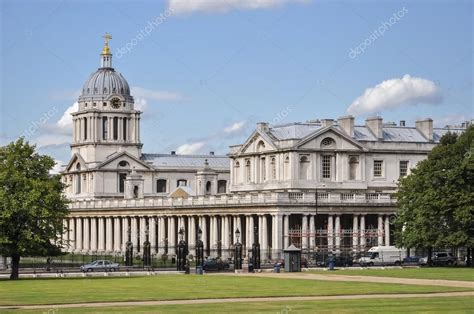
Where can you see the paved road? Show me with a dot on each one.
(240, 300)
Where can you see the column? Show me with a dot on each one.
(162, 237)
(380, 230)
(65, 233)
(304, 232)
(143, 233)
(387, 230)
(330, 232)
(171, 235)
(248, 244)
(338, 232)
(152, 234)
(362, 232)
(277, 235)
(79, 234)
(86, 243)
(355, 232)
(101, 246)
(93, 234)
(312, 232)
(225, 235)
(264, 238)
(212, 237)
(286, 231)
(125, 233)
(72, 234)
(260, 230)
(134, 233)
(109, 238)
(116, 234)
(251, 228)
(203, 226)
(192, 235)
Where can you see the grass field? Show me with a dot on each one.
(447, 273)
(173, 287)
(424, 305)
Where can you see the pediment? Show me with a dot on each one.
(258, 142)
(123, 161)
(319, 141)
(76, 160)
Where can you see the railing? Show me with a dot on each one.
(239, 200)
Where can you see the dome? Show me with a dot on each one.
(105, 82)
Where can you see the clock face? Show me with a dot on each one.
(116, 103)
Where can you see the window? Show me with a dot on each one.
(248, 171)
(105, 126)
(378, 168)
(263, 168)
(237, 172)
(124, 163)
(78, 179)
(326, 166)
(85, 128)
(274, 171)
(304, 167)
(124, 129)
(221, 186)
(260, 146)
(403, 168)
(161, 186)
(208, 187)
(327, 142)
(286, 168)
(353, 164)
(122, 177)
(182, 182)
(115, 125)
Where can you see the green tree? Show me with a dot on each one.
(32, 205)
(436, 201)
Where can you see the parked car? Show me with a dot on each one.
(215, 264)
(100, 265)
(340, 261)
(440, 259)
(411, 260)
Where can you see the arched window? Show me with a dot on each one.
(105, 127)
(304, 168)
(273, 166)
(237, 172)
(248, 171)
(263, 169)
(115, 125)
(85, 128)
(353, 164)
(260, 146)
(221, 186)
(161, 186)
(208, 187)
(78, 180)
(122, 177)
(286, 168)
(124, 129)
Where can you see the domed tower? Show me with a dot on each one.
(106, 121)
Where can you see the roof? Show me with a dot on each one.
(294, 130)
(187, 161)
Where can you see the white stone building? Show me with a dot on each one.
(266, 187)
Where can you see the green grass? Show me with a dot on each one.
(448, 273)
(403, 305)
(172, 287)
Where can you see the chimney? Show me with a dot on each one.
(402, 122)
(262, 126)
(173, 152)
(211, 153)
(375, 125)
(327, 122)
(346, 123)
(425, 127)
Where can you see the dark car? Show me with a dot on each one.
(340, 261)
(411, 260)
(440, 259)
(215, 264)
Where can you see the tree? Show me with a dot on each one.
(32, 205)
(436, 200)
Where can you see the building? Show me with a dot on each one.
(323, 185)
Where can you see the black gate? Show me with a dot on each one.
(256, 255)
(146, 254)
(182, 252)
(199, 249)
(129, 254)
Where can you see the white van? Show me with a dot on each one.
(383, 255)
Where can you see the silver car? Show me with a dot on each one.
(100, 265)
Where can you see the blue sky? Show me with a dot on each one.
(208, 71)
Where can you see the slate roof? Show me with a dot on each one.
(165, 161)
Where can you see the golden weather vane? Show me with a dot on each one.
(107, 37)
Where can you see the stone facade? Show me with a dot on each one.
(323, 185)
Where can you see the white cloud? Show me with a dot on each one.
(223, 6)
(405, 91)
(192, 148)
(57, 167)
(236, 127)
(65, 122)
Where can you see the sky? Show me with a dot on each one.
(205, 72)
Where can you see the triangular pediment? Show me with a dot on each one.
(342, 141)
(113, 162)
(181, 192)
(74, 161)
(257, 142)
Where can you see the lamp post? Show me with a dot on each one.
(182, 250)
(199, 249)
(237, 251)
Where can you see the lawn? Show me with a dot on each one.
(403, 305)
(448, 273)
(172, 287)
